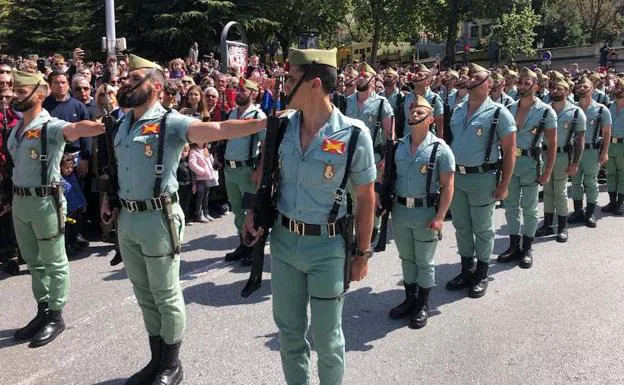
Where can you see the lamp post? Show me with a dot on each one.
(540, 45)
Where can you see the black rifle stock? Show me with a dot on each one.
(263, 201)
(386, 188)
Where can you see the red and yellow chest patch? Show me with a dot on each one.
(33, 134)
(150, 128)
(333, 146)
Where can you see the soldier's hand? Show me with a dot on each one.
(436, 224)
(500, 194)
(572, 169)
(251, 236)
(543, 179)
(377, 200)
(359, 268)
(603, 158)
(107, 214)
(82, 168)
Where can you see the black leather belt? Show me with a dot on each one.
(486, 167)
(237, 164)
(42, 191)
(412, 202)
(590, 146)
(151, 204)
(559, 149)
(301, 228)
(615, 140)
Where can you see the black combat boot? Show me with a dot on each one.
(405, 308)
(578, 216)
(34, 325)
(170, 368)
(420, 313)
(526, 260)
(619, 206)
(547, 227)
(562, 228)
(240, 252)
(464, 279)
(479, 283)
(513, 252)
(117, 258)
(53, 325)
(147, 375)
(612, 203)
(590, 220)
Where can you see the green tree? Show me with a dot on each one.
(515, 32)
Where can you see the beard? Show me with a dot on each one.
(557, 98)
(362, 87)
(22, 105)
(129, 98)
(242, 101)
(523, 93)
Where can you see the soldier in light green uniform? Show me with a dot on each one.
(421, 82)
(461, 94)
(242, 164)
(307, 258)
(615, 164)
(535, 121)
(36, 146)
(571, 124)
(366, 106)
(498, 95)
(511, 78)
(148, 143)
(418, 214)
(542, 92)
(449, 84)
(476, 187)
(598, 93)
(597, 137)
(392, 92)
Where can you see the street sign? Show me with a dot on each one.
(546, 56)
(233, 53)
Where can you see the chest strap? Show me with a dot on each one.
(432, 197)
(160, 168)
(378, 127)
(43, 157)
(490, 142)
(340, 192)
(252, 141)
(597, 126)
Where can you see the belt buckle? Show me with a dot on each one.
(331, 229)
(614, 140)
(157, 203)
(293, 226)
(232, 163)
(462, 169)
(518, 151)
(44, 191)
(132, 206)
(410, 203)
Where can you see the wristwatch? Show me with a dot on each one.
(367, 254)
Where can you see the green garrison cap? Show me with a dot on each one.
(542, 77)
(136, 63)
(497, 78)
(452, 73)
(527, 73)
(21, 79)
(420, 101)
(510, 72)
(249, 84)
(463, 71)
(364, 67)
(300, 57)
(585, 80)
(570, 83)
(560, 82)
(474, 69)
(422, 68)
(619, 83)
(556, 75)
(392, 72)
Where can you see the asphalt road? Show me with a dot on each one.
(561, 322)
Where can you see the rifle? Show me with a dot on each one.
(448, 134)
(110, 185)
(6, 168)
(400, 115)
(264, 200)
(386, 188)
(277, 96)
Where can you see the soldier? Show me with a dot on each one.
(351, 75)
(511, 77)
(498, 95)
(392, 93)
(377, 114)
(242, 164)
(615, 164)
(148, 144)
(599, 94)
(598, 136)
(571, 124)
(535, 121)
(462, 92)
(421, 81)
(449, 84)
(479, 126)
(307, 258)
(425, 168)
(36, 146)
(542, 93)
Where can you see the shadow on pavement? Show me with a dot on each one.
(209, 294)
(7, 340)
(117, 381)
(211, 242)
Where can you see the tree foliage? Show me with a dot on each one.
(515, 32)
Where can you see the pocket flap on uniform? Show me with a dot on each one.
(145, 139)
(330, 158)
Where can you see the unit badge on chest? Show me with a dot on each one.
(33, 134)
(534, 131)
(33, 154)
(480, 131)
(328, 172)
(149, 150)
(423, 168)
(566, 125)
(591, 122)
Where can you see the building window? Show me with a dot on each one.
(368, 49)
(486, 30)
(474, 31)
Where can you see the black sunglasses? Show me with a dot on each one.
(82, 88)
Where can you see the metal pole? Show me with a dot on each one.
(109, 8)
